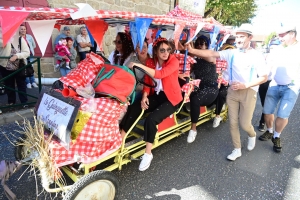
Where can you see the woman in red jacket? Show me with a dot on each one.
(161, 102)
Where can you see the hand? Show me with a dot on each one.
(180, 46)
(13, 58)
(238, 86)
(183, 76)
(188, 47)
(145, 103)
(65, 57)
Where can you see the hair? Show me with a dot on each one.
(69, 38)
(127, 48)
(82, 28)
(202, 39)
(156, 44)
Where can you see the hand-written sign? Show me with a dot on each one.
(56, 115)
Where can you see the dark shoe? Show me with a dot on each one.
(261, 127)
(266, 136)
(277, 144)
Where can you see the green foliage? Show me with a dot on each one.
(231, 12)
(270, 37)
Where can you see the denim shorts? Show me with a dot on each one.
(284, 95)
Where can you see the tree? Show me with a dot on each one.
(269, 38)
(231, 12)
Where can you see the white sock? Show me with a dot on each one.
(276, 135)
(270, 130)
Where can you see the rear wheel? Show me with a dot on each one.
(96, 185)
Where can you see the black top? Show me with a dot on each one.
(206, 71)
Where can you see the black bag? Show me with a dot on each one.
(28, 71)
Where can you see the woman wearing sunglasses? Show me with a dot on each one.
(124, 50)
(205, 70)
(161, 101)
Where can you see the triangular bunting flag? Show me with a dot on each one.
(42, 31)
(213, 36)
(193, 35)
(97, 29)
(142, 24)
(10, 22)
(178, 30)
(133, 33)
(85, 10)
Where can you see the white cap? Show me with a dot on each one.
(245, 28)
(286, 28)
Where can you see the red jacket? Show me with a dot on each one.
(169, 77)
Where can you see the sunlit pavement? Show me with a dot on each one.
(200, 170)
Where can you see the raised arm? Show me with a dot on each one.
(202, 53)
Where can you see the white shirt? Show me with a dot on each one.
(159, 86)
(126, 62)
(86, 39)
(285, 63)
(246, 67)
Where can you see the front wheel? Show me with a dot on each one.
(96, 185)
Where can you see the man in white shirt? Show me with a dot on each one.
(84, 43)
(246, 70)
(284, 88)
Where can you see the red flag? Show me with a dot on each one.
(178, 30)
(97, 29)
(10, 22)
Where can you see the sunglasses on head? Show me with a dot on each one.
(118, 42)
(162, 50)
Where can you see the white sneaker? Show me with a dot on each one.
(34, 85)
(146, 161)
(236, 153)
(192, 136)
(68, 67)
(223, 107)
(251, 143)
(28, 85)
(217, 121)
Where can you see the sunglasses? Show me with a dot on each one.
(201, 44)
(118, 42)
(162, 50)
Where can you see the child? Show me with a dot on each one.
(62, 50)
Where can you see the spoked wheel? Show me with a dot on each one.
(97, 185)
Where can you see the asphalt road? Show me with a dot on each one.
(199, 170)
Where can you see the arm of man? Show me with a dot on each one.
(202, 53)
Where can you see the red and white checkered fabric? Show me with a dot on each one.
(183, 14)
(99, 137)
(63, 16)
(190, 60)
(85, 72)
(221, 65)
(186, 88)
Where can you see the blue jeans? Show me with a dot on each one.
(30, 79)
(64, 71)
(284, 95)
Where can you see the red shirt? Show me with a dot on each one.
(169, 77)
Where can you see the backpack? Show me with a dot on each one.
(115, 81)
